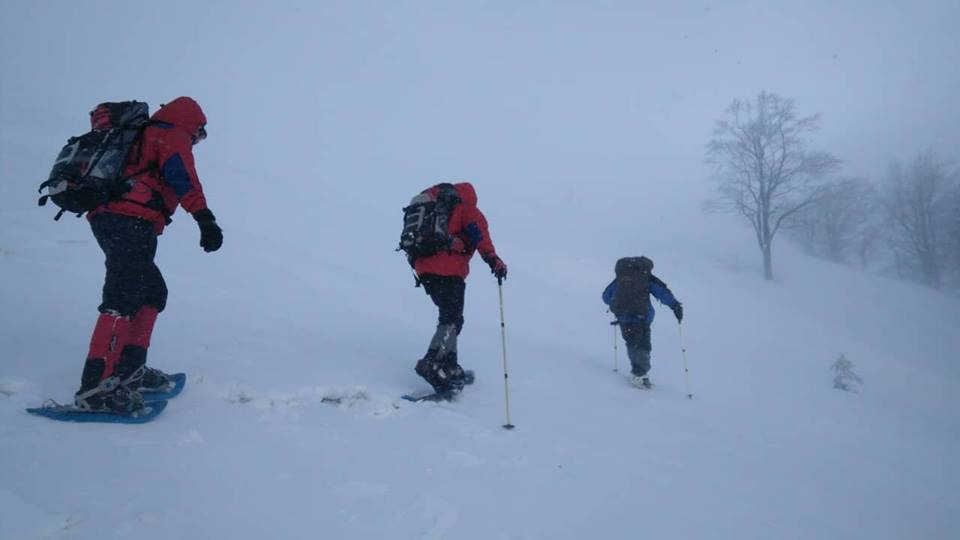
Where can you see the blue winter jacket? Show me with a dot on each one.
(658, 289)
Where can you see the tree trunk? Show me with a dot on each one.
(931, 270)
(767, 262)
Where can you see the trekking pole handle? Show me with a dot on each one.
(616, 367)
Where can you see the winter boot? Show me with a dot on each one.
(135, 374)
(155, 380)
(444, 341)
(641, 381)
(107, 395)
(438, 373)
(455, 371)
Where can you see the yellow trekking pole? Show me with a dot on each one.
(686, 370)
(503, 340)
(614, 324)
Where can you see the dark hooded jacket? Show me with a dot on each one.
(658, 289)
(161, 167)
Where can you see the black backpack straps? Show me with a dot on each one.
(152, 165)
(46, 184)
(139, 144)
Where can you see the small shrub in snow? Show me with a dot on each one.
(845, 378)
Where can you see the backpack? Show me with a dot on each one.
(633, 287)
(425, 222)
(88, 172)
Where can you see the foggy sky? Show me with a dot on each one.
(573, 102)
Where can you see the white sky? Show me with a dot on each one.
(593, 105)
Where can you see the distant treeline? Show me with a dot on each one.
(906, 224)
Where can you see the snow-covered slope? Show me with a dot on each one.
(299, 344)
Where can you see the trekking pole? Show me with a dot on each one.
(614, 324)
(686, 370)
(503, 341)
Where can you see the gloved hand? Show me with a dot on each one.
(678, 311)
(211, 237)
(498, 267)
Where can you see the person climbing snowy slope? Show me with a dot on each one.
(443, 228)
(628, 296)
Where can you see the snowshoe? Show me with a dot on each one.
(71, 413)
(170, 389)
(111, 396)
(466, 377)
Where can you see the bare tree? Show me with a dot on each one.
(952, 226)
(839, 221)
(869, 241)
(917, 201)
(765, 171)
(805, 229)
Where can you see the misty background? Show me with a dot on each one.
(583, 127)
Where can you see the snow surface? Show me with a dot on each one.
(291, 424)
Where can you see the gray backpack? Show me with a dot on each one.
(88, 172)
(425, 222)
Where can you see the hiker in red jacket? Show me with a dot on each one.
(443, 275)
(162, 176)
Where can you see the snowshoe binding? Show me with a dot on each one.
(110, 396)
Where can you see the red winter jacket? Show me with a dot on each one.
(469, 228)
(162, 167)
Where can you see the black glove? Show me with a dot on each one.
(211, 237)
(498, 267)
(678, 311)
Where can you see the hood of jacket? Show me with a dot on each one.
(182, 112)
(468, 195)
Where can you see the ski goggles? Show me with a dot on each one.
(200, 135)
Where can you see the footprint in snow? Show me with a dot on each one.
(11, 387)
(355, 399)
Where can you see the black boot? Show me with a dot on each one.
(457, 376)
(108, 395)
(139, 376)
(154, 380)
(438, 373)
(131, 366)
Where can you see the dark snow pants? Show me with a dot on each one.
(447, 293)
(637, 338)
(133, 279)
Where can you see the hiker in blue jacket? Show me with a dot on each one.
(628, 296)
